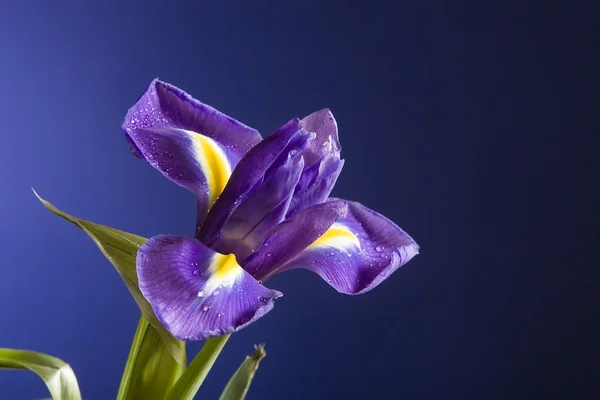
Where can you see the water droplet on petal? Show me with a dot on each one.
(259, 282)
(201, 293)
(269, 254)
(379, 248)
(205, 308)
(195, 272)
(215, 293)
(219, 315)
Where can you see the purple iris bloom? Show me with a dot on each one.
(263, 208)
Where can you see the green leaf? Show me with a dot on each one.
(238, 385)
(57, 374)
(121, 248)
(150, 371)
(156, 358)
(189, 383)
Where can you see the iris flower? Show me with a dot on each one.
(263, 208)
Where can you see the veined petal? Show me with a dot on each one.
(357, 252)
(252, 170)
(292, 236)
(326, 143)
(197, 293)
(191, 143)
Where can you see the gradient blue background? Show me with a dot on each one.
(468, 123)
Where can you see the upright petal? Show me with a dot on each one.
(189, 142)
(197, 293)
(292, 236)
(326, 143)
(263, 209)
(357, 252)
(322, 162)
(256, 167)
(315, 184)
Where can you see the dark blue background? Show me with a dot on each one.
(468, 123)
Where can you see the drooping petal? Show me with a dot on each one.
(193, 161)
(252, 170)
(163, 105)
(326, 143)
(197, 293)
(292, 236)
(357, 252)
(191, 143)
(315, 184)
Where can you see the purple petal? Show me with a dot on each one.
(191, 143)
(292, 236)
(245, 230)
(193, 161)
(316, 183)
(260, 162)
(326, 143)
(197, 293)
(165, 106)
(357, 252)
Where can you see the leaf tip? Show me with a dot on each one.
(44, 202)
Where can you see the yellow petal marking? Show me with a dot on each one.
(223, 266)
(214, 164)
(223, 272)
(336, 236)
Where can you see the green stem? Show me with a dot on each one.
(133, 353)
(151, 370)
(188, 384)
